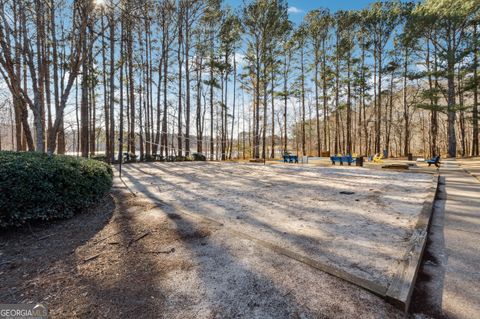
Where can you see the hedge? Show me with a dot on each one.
(199, 157)
(35, 186)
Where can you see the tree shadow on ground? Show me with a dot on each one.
(296, 241)
(32, 250)
(174, 272)
(135, 258)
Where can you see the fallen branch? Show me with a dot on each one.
(288, 293)
(138, 238)
(91, 258)
(161, 251)
(103, 239)
(45, 237)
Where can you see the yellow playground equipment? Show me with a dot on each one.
(378, 158)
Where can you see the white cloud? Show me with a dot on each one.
(240, 58)
(294, 10)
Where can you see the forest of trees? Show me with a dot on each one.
(174, 77)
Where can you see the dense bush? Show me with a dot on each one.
(199, 157)
(102, 158)
(36, 186)
(129, 158)
(149, 158)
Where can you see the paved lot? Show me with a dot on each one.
(451, 269)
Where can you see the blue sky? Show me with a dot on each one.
(300, 7)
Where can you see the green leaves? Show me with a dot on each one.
(449, 9)
(380, 21)
(36, 186)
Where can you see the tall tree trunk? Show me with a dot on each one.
(302, 68)
(475, 131)
(141, 123)
(17, 101)
(120, 128)
(285, 101)
(233, 102)
(84, 118)
(406, 114)
(462, 113)
(337, 97)
(159, 103)
(256, 136)
(106, 109)
(317, 104)
(93, 115)
(433, 101)
(362, 126)
(147, 87)
(451, 115)
(225, 110)
(180, 68)
(38, 79)
(325, 98)
(265, 106)
(198, 119)
(388, 121)
(379, 101)
(272, 151)
(187, 80)
(111, 143)
(61, 131)
(349, 108)
(131, 82)
(451, 111)
(212, 149)
(165, 41)
(92, 97)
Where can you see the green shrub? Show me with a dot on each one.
(102, 158)
(36, 186)
(149, 158)
(199, 157)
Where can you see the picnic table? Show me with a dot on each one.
(342, 159)
(287, 158)
(435, 161)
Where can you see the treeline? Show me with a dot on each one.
(159, 78)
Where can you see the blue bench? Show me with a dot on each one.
(128, 157)
(435, 161)
(342, 159)
(290, 158)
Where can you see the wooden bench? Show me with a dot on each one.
(435, 161)
(290, 158)
(342, 159)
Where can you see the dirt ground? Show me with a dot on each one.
(133, 258)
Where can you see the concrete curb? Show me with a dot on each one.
(399, 292)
